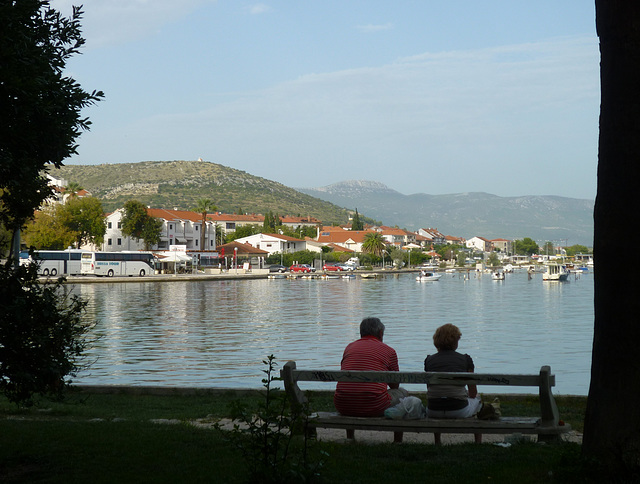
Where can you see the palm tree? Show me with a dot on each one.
(204, 206)
(72, 189)
(374, 244)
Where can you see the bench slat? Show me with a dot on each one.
(525, 425)
(420, 377)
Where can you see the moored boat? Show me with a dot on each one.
(428, 276)
(555, 272)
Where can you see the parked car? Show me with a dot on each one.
(310, 267)
(329, 267)
(300, 268)
(277, 268)
(346, 267)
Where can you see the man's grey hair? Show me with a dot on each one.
(371, 327)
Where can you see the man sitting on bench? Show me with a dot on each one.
(368, 353)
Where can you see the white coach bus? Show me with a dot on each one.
(54, 262)
(117, 263)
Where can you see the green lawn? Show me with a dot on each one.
(111, 438)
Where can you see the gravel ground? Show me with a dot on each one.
(371, 436)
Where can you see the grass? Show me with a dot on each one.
(110, 437)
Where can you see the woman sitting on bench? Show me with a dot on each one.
(450, 401)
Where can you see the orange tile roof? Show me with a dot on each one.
(342, 236)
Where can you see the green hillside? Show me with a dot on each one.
(179, 184)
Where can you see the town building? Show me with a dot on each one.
(274, 243)
(179, 227)
(479, 243)
(503, 245)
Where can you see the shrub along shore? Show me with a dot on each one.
(133, 434)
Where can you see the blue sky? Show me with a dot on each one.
(423, 96)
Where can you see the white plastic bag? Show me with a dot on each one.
(409, 408)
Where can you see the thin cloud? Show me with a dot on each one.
(527, 107)
(108, 22)
(258, 9)
(374, 28)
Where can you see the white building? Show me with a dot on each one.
(274, 243)
(479, 243)
(179, 227)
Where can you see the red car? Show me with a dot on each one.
(331, 267)
(300, 268)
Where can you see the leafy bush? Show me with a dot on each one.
(266, 437)
(42, 334)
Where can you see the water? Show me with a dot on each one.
(217, 333)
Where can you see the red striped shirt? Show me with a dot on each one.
(365, 399)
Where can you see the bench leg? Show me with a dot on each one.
(351, 434)
(437, 438)
(397, 437)
(477, 438)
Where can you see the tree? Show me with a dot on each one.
(548, 248)
(40, 106)
(611, 435)
(42, 333)
(204, 206)
(373, 243)
(271, 222)
(526, 246)
(243, 231)
(577, 249)
(72, 189)
(356, 223)
(46, 232)
(85, 218)
(139, 225)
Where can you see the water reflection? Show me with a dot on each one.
(216, 333)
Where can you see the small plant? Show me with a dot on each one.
(267, 436)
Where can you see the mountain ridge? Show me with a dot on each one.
(169, 184)
(566, 220)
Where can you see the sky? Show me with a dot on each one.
(424, 96)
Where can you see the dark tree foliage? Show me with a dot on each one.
(42, 334)
(137, 223)
(356, 223)
(41, 331)
(40, 106)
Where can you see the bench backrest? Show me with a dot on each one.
(408, 377)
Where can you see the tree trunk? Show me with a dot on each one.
(612, 424)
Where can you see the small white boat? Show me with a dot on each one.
(497, 276)
(555, 272)
(428, 276)
(369, 275)
(330, 276)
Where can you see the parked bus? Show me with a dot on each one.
(54, 262)
(117, 263)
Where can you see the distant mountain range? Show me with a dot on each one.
(169, 184)
(567, 221)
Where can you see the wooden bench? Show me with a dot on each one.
(547, 427)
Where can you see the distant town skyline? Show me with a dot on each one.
(500, 97)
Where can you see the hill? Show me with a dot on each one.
(169, 184)
(568, 221)
(180, 184)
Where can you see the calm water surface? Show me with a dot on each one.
(217, 333)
